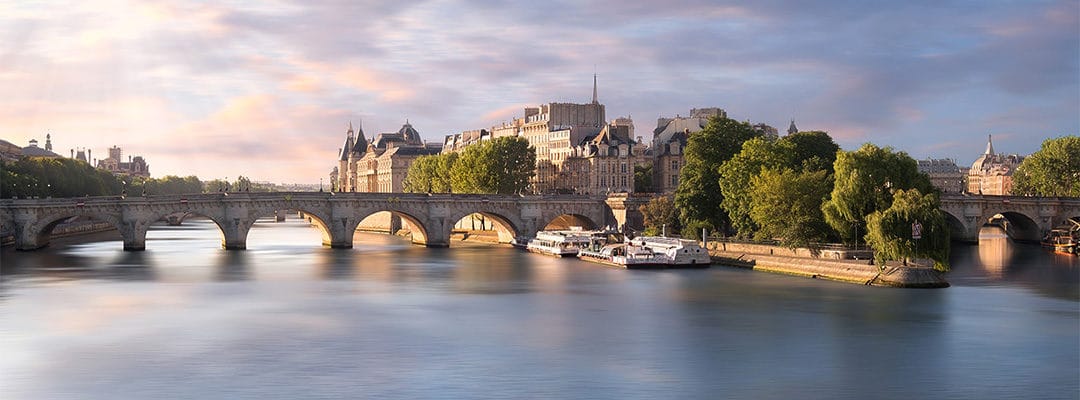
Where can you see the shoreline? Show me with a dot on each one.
(830, 266)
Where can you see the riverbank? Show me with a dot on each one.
(833, 265)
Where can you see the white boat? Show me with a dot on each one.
(559, 243)
(650, 252)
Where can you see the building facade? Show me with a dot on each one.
(135, 166)
(992, 173)
(944, 174)
(669, 141)
(378, 165)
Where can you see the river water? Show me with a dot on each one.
(289, 319)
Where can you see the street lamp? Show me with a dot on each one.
(320, 184)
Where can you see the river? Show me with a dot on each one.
(288, 319)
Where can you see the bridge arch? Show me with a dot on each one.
(317, 216)
(420, 232)
(957, 231)
(1021, 227)
(567, 220)
(38, 234)
(506, 228)
(216, 218)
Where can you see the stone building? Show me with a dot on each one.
(944, 174)
(135, 166)
(378, 165)
(992, 173)
(669, 140)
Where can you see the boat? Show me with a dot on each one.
(1064, 240)
(649, 252)
(559, 243)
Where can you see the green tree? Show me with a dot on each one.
(643, 176)
(864, 182)
(660, 214)
(803, 151)
(56, 177)
(786, 205)
(698, 195)
(1052, 171)
(502, 165)
(421, 175)
(736, 175)
(890, 230)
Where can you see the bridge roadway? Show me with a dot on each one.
(335, 214)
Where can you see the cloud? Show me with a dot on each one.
(203, 87)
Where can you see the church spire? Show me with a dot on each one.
(791, 130)
(989, 145)
(594, 89)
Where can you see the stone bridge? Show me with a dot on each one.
(335, 214)
(1029, 217)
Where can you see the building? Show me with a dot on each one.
(135, 166)
(669, 140)
(378, 165)
(992, 173)
(944, 174)
(34, 151)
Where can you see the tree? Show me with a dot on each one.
(420, 175)
(736, 175)
(786, 205)
(500, 166)
(803, 151)
(1052, 171)
(660, 214)
(864, 182)
(698, 195)
(891, 230)
(56, 177)
(643, 175)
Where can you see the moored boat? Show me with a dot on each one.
(559, 243)
(649, 252)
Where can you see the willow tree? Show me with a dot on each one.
(865, 181)
(913, 226)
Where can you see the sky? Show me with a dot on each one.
(266, 89)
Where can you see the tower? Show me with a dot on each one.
(791, 130)
(594, 100)
(989, 145)
(48, 142)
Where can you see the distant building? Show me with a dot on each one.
(135, 166)
(944, 174)
(792, 129)
(381, 164)
(34, 151)
(767, 131)
(992, 173)
(669, 142)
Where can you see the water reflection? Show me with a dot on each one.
(995, 255)
(233, 266)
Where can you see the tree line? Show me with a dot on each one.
(65, 177)
(499, 166)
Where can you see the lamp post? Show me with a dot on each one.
(320, 184)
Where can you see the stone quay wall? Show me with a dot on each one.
(835, 265)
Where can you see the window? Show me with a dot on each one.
(674, 180)
(674, 164)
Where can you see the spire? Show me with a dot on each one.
(594, 89)
(48, 141)
(989, 145)
(791, 130)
